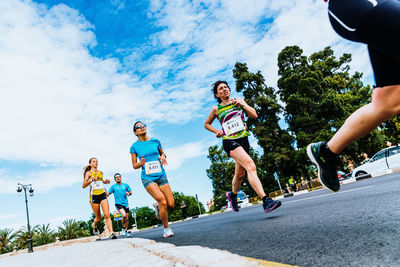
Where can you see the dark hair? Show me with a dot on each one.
(87, 167)
(215, 89)
(116, 174)
(134, 125)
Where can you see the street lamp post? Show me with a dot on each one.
(30, 190)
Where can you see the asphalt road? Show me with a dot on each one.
(358, 226)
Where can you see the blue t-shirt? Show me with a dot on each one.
(152, 170)
(120, 193)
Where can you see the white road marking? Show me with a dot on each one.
(331, 194)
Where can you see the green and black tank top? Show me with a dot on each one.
(232, 121)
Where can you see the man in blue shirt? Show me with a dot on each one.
(121, 192)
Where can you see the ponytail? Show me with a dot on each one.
(87, 167)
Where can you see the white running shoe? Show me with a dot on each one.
(168, 232)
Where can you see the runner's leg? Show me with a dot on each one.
(154, 190)
(97, 214)
(241, 157)
(106, 213)
(167, 192)
(385, 104)
(238, 177)
(125, 218)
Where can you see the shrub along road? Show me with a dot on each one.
(358, 226)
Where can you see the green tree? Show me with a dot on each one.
(145, 217)
(21, 238)
(392, 130)
(43, 235)
(71, 229)
(175, 214)
(6, 238)
(319, 93)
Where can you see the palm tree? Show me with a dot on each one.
(6, 237)
(21, 238)
(43, 235)
(71, 230)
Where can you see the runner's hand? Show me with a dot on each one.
(238, 102)
(106, 181)
(219, 134)
(163, 160)
(127, 194)
(142, 161)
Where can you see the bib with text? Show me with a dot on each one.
(233, 125)
(152, 167)
(97, 185)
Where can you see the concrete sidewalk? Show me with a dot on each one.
(127, 252)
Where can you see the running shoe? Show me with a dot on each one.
(168, 232)
(113, 236)
(127, 234)
(95, 230)
(123, 232)
(269, 204)
(327, 173)
(232, 201)
(155, 205)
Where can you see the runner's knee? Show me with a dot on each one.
(386, 100)
(106, 216)
(163, 203)
(250, 166)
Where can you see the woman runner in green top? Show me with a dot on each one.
(230, 113)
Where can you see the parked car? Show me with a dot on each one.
(385, 161)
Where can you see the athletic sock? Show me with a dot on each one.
(233, 195)
(264, 198)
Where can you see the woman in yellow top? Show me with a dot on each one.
(94, 178)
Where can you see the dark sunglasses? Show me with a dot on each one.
(140, 126)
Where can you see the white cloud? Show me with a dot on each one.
(61, 105)
(9, 216)
(180, 154)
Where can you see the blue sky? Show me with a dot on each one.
(75, 76)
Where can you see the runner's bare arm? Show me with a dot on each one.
(86, 180)
(136, 165)
(163, 157)
(251, 112)
(211, 117)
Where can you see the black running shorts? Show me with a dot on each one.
(377, 24)
(96, 199)
(121, 207)
(231, 144)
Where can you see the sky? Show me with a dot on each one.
(75, 75)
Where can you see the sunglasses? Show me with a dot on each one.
(140, 126)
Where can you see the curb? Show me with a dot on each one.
(136, 252)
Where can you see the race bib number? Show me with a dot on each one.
(97, 185)
(152, 167)
(234, 125)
